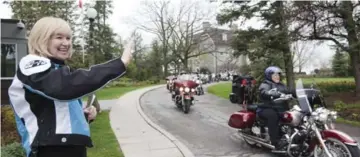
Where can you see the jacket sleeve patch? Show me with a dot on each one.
(32, 64)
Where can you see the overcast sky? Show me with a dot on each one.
(126, 9)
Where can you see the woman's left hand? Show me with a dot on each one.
(91, 112)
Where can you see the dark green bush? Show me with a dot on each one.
(13, 150)
(126, 82)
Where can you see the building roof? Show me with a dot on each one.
(14, 21)
(216, 35)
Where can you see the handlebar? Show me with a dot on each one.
(284, 97)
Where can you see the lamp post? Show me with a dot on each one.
(91, 13)
(179, 66)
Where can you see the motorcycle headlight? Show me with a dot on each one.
(187, 89)
(192, 90)
(323, 117)
(167, 81)
(181, 89)
(333, 115)
(315, 116)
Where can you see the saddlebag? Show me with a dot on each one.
(242, 119)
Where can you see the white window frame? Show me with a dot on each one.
(16, 60)
(224, 36)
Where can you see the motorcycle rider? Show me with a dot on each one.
(269, 111)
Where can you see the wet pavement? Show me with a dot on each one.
(204, 130)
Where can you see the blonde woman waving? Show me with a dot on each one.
(45, 93)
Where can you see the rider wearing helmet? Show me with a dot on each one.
(270, 110)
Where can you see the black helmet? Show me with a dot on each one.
(272, 70)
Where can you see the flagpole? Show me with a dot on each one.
(82, 32)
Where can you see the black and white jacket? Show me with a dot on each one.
(45, 95)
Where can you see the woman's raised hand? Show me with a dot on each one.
(128, 51)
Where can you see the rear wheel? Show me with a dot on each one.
(233, 98)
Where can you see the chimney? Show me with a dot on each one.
(206, 26)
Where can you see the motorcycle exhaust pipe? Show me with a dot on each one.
(257, 140)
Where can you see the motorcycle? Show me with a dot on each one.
(184, 94)
(170, 83)
(307, 129)
(242, 90)
(199, 89)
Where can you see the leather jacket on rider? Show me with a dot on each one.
(267, 97)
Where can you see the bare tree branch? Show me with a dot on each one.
(302, 53)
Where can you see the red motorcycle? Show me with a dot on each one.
(184, 94)
(308, 130)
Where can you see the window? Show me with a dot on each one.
(8, 60)
(224, 37)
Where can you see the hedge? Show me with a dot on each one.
(331, 87)
(126, 82)
(9, 132)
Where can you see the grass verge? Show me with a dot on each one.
(104, 139)
(221, 90)
(105, 142)
(115, 92)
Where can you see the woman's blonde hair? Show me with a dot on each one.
(42, 32)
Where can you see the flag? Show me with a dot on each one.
(80, 3)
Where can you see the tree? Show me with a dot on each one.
(204, 70)
(139, 47)
(102, 46)
(157, 14)
(335, 21)
(187, 28)
(31, 11)
(340, 64)
(154, 61)
(274, 36)
(176, 27)
(302, 53)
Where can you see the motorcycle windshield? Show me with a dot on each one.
(302, 97)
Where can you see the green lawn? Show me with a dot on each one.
(104, 140)
(114, 92)
(222, 90)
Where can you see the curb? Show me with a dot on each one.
(183, 149)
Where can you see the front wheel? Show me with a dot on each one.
(186, 106)
(337, 148)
